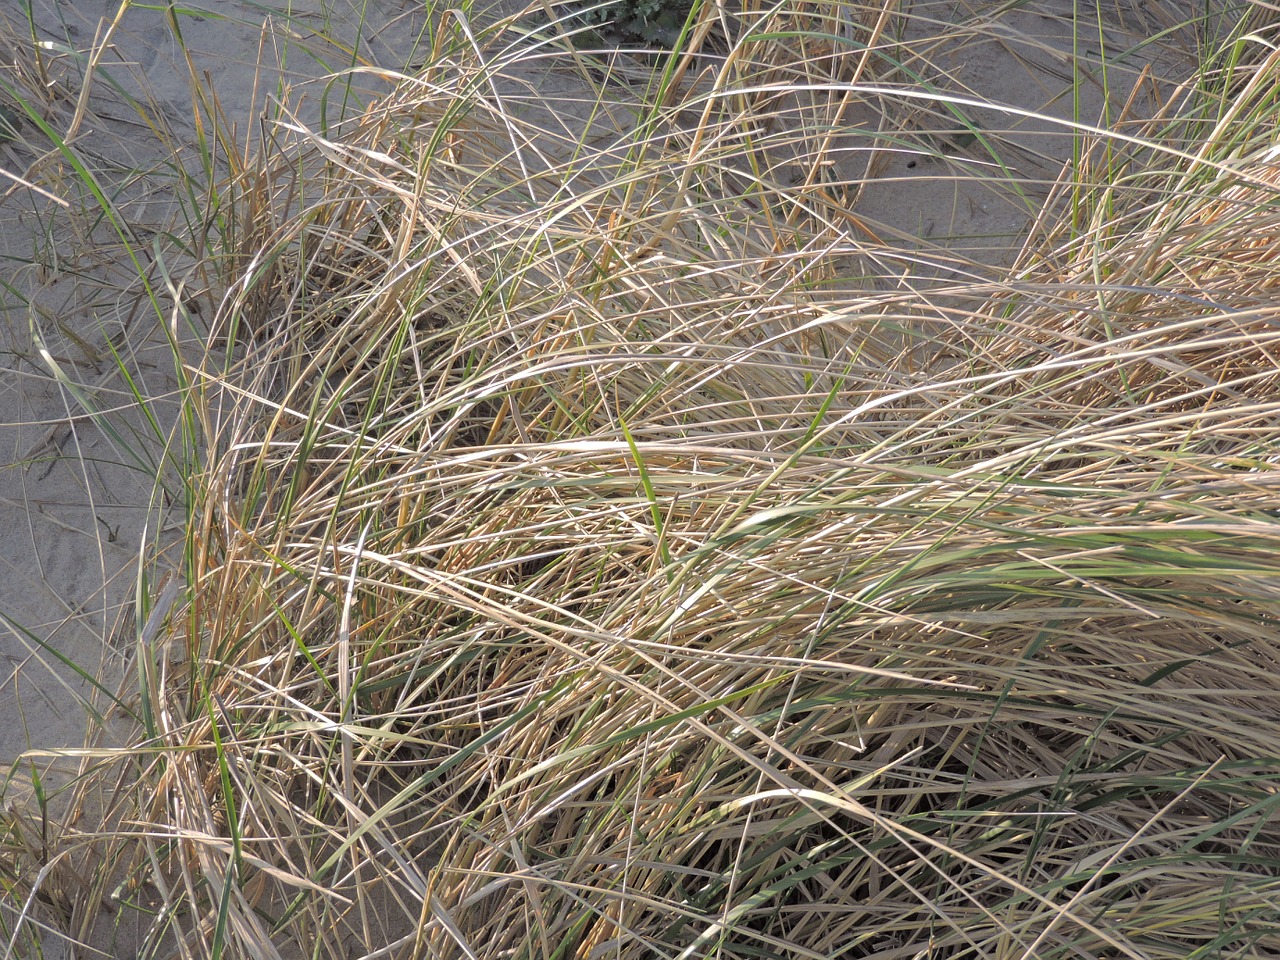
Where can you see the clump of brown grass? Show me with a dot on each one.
(571, 577)
(1151, 298)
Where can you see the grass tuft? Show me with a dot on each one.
(577, 569)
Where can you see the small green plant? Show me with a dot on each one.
(629, 21)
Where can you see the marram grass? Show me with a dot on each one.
(572, 577)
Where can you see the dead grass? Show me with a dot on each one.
(571, 576)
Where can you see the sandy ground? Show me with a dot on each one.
(78, 505)
(78, 502)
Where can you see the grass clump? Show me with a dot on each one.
(574, 574)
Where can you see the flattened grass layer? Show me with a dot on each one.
(573, 577)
